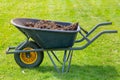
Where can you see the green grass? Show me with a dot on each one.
(99, 61)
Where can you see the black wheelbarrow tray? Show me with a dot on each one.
(29, 54)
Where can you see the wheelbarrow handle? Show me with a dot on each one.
(98, 25)
(93, 29)
(110, 31)
(105, 23)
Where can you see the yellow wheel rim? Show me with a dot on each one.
(28, 58)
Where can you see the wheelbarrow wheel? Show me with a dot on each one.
(31, 59)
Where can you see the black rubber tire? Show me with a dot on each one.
(38, 60)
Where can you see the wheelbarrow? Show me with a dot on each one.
(30, 53)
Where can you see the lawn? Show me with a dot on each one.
(99, 61)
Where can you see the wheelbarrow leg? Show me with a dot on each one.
(53, 62)
(67, 59)
(64, 61)
(70, 58)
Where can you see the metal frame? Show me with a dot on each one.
(69, 51)
(66, 58)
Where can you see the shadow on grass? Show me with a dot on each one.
(86, 72)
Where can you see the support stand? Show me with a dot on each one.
(67, 57)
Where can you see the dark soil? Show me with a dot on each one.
(44, 24)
